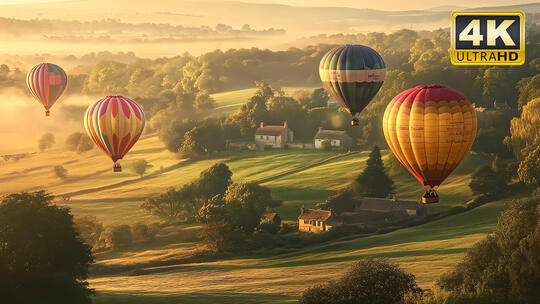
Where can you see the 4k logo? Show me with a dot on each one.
(488, 37)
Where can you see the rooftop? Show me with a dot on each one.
(270, 216)
(315, 214)
(270, 130)
(331, 134)
(386, 205)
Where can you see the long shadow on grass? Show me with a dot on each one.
(191, 298)
(310, 262)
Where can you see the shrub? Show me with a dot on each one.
(60, 171)
(369, 281)
(486, 181)
(79, 142)
(89, 229)
(143, 232)
(116, 236)
(46, 142)
(326, 145)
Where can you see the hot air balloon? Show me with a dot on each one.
(430, 129)
(46, 82)
(352, 74)
(114, 123)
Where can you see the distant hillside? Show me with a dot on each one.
(298, 20)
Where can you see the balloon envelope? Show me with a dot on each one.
(46, 82)
(352, 74)
(430, 129)
(114, 123)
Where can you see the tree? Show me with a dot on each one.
(184, 204)
(79, 142)
(213, 181)
(525, 130)
(139, 166)
(204, 101)
(116, 236)
(173, 205)
(343, 201)
(60, 171)
(529, 169)
(486, 181)
(373, 181)
(89, 228)
(490, 136)
(250, 114)
(171, 129)
(369, 281)
(46, 142)
(231, 219)
(43, 259)
(246, 204)
(319, 98)
(529, 89)
(204, 140)
(504, 267)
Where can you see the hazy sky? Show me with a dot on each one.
(379, 4)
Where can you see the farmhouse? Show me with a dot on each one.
(369, 211)
(338, 139)
(313, 220)
(275, 136)
(393, 205)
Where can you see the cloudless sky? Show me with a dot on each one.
(374, 4)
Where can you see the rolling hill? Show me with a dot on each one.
(297, 177)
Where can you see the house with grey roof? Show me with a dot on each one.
(337, 138)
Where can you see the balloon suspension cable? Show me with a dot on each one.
(47, 113)
(117, 167)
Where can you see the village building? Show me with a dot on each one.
(314, 220)
(389, 205)
(274, 136)
(369, 211)
(338, 139)
(272, 217)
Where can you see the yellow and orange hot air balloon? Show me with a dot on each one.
(430, 129)
(114, 123)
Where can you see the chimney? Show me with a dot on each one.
(394, 197)
(302, 210)
(285, 124)
(331, 212)
(262, 124)
(320, 129)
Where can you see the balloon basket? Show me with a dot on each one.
(430, 197)
(355, 122)
(117, 168)
(47, 113)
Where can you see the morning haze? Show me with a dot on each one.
(263, 152)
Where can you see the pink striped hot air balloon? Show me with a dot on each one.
(114, 123)
(46, 82)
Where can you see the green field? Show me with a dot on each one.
(230, 101)
(275, 276)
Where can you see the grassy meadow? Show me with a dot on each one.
(296, 177)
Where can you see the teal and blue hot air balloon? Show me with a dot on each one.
(352, 74)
